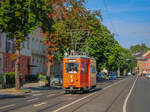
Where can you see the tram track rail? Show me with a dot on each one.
(43, 98)
(95, 96)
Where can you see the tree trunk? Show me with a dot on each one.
(118, 71)
(17, 80)
(124, 72)
(48, 74)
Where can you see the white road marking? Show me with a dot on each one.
(32, 99)
(42, 103)
(36, 94)
(62, 92)
(7, 106)
(35, 91)
(61, 108)
(50, 95)
(126, 100)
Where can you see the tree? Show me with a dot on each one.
(18, 18)
(67, 15)
(139, 48)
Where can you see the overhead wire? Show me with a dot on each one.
(110, 18)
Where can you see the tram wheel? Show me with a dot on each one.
(86, 91)
(67, 92)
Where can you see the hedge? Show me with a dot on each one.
(1, 78)
(10, 79)
(31, 78)
(41, 77)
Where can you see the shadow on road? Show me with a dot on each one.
(9, 96)
(43, 88)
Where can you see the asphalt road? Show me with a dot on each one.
(109, 96)
(139, 100)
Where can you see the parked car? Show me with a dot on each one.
(129, 73)
(57, 80)
(99, 76)
(112, 76)
(148, 76)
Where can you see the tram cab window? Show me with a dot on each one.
(72, 67)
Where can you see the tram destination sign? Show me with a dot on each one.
(72, 60)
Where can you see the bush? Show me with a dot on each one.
(31, 78)
(10, 78)
(1, 78)
(41, 77)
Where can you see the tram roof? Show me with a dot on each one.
(78, 56)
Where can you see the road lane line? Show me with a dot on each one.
(7, 106)
(36, 94)
(50, 95)
(61, 108)
(73, 102)
(32, 99)
(37, 105)
(126, 100)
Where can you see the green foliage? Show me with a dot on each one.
(1, 78)
(41, 77)
(139, 48)
(10, 73)
(18, 18)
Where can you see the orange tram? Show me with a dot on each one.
(79, 73)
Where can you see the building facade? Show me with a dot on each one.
(33, 56)
(7, 64)
(38, 53)
(143, 62)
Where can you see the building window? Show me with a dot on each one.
(37, 66)
(13, 65)
(40, 45)
(7, 45)
(23, 45)
(33, 68)
(23, 64)
(6, 64)
(28, 63)
(32, 43)
(37, 43)
(28, 43)
(41, 65)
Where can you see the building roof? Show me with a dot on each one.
(147, 55)
(142, 55)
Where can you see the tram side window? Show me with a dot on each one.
(72, 67)
(93, 69)
(84, 67)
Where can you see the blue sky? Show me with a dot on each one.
(128, 18)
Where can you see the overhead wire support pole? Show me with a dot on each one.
(74, 31)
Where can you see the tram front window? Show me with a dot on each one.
(72, 67)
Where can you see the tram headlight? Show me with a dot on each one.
(71, 80)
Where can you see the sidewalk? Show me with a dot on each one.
(28, 87)
(36, 84)
(25, 89)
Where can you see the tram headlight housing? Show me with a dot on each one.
(71, 80)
